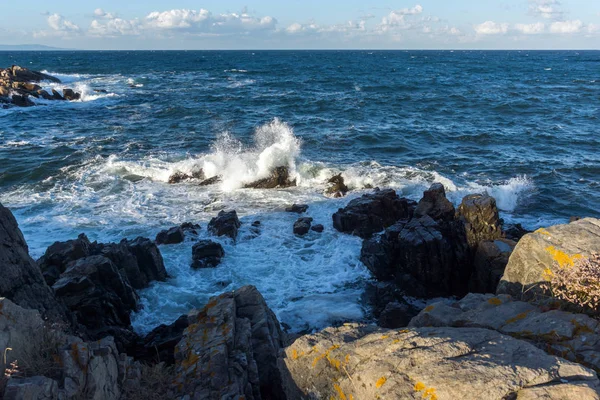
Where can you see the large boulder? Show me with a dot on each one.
(337, 187)
(207, 254)
(538, 254)
(491, 258)
(150, 263)
(480, 215)
(225, 224)
(435, 204)
(575, 337)
(22, 100)
(366, 362)
(279, 178)
(426, 258)
(232, 349)
(58, 256)
(95, 291)
(20, 74)
(372, 213)
(20, 278)
(302, 226)
(176, 234)
(159, 345)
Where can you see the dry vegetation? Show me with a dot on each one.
(155, 383)
(579, 286)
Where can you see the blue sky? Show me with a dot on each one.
(293, 24)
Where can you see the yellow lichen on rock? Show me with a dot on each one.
(340, 392)
(495, 301)
(563, 259)
(429, 308)
(518, 317)
(380, 382)
(428, 393)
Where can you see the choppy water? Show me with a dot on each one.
(521, 125)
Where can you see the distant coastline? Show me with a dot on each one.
(29, 47)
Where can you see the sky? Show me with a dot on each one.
(302, 24)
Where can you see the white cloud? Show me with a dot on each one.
(491, 28)
(175, 19)
(204, 21)
(531, 29)
(547, 9)
(566, 27)
(98, 12)
(59, 26)
(398, 17)
(114, 27)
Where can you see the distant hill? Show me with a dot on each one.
(28, 47)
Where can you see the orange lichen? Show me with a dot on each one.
(340, 392)
(518, 317)
(563, 259)
(294, 354)
(384, 336)
(380, 382)
(396, 341)
(543, 231)
(495, 301)
(324, 355)
(420, 386)
(429, 308)
(191, 359)
(405, 330)
(428, 393)
(548, 274)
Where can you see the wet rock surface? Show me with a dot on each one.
(225, 224)
(302, 226)
(279, 178)
(207, 254)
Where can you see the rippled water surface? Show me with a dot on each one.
(523, 126)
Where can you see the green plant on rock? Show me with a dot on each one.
(579, 285)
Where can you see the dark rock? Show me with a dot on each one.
(489, 264)
(232, 349)
(56, 95)
(95, 291)
(159, 345)
(302, 226)
(396, 315)
(424, 257)
(338, 187)
(211, 181)
(178, 177)
(100, 91)
(22, 100)
(378, 295)
(172, 235)
(225, 224)
(297, 208)
(207, 254)
(318, 228)
(279, 178)
(150, 262)
(45, 95)
(30, 87)
(480, 215)
(515, 231)
(372, 213)
(58, 256)
(20, 74)
(574, 219)
(21, 280)
(256, 223)
(190, 227)
(69, 94)
(435, 204)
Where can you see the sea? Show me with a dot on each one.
(523, 126)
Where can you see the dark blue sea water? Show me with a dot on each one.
(523, 126)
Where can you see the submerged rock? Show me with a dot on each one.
(366, 362)
(179, 176)
(207, 254)
(176, 234)
(279, 178)
(302, 226)
(372, 213)
(538, 254)
(71, 95)
(225, 224)
(317, 228)
(297, 208)
(211, 181)
(337, 188)
(232, 349)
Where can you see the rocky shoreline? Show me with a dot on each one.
(65, 326)
(18, 85)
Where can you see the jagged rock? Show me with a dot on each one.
(95, 291)
(317, 228)
(22, 100)
(207, 254)
(279, 178)
(372, 213)
(489, 263)
(480, 215)
(225, 224)
(337, 188)
(211, 181)
(302, 226)
(71, 95)
(20, 74)
(366, 362)
(515, 231)
(56, 95)
(396, 315)
(424, 257)
(151, 266)
(159, 345)
(231, 349)
(4, 91)
(179, 176)
(538, 254)
(378, 295)
(176, 234)
(36, 387)
(297, 208)
(435, 204)
(56, 258)
(21, 280)
(44, 95)
(575, 337)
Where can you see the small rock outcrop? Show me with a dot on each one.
(297, 208)
(279, 178)
(337, 187)
(225, 224)
(538, 254)
(56, 258)
(176, 234)
(17, 84)
(480, 215)
(435, 204)
(317, 228)
(366, 362)
(21, 280)
(302, 226)
(179, 176)
(211, 181)
(207, 254)
(372, 213)
(232, 349)
(575, 337)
